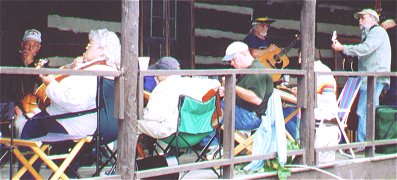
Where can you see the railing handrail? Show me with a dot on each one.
(362, 74)
(212, 72)
(54, 71)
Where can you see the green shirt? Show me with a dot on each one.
(260, 84)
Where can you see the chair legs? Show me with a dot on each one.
(201, 155)
(244, 143)
(39, 152)
(342, 129)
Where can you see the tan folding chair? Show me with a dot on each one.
(245, 143)
(39, 146)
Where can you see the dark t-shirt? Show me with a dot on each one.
(15, 86)
(260, 84)
(256, 43)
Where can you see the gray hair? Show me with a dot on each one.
(252, 30)
(110, 43)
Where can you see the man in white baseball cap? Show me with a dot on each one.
(30, 46)
(252, 90)
(25, 85)
(371, 12)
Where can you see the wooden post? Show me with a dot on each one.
(167, 31)
(307, 89)
(193, 35)
(129, 62)
(229, 124)
(370, 124)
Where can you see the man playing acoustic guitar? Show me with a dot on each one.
(26, 84)
(261, 48)
(257, 40)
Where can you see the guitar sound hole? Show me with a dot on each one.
(277, 59)
(278, 62)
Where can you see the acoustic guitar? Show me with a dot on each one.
(278, 59)
(43, 100)
(29, 100)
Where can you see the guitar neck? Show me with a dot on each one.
(288, 48)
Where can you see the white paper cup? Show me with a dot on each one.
(143, 63)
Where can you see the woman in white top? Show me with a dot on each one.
(75, 93)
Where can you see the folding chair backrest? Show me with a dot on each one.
(194, 121)
(195, 116)
(108, 123)
(347, 96)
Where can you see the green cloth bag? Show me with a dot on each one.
(386, 128)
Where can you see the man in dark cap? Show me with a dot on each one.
(257, 40)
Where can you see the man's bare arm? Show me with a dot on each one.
(248, 95)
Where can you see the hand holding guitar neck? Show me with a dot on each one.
(40, 63)
(347, 60)
(46, 79)
(336, 46)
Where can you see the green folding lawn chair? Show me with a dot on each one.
(194, 124)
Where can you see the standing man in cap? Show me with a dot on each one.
(257, 40)
(374, 55)
(252, 90)
(160, 116)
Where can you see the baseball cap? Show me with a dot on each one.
(233, 49)
(166, 63)
(263, 20)
(32, 34)
(367, 11)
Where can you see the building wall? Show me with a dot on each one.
(218, 23)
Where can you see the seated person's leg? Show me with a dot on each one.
(20, 122)
(32, 129)
(6, 114)
(292, 125)
(246, 120)
(153, 129)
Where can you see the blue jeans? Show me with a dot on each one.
(362, 109)
(293, 124)
(244, 120)
(40, 127)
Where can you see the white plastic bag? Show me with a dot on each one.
(326, 135)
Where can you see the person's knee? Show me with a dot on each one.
(30, 129)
